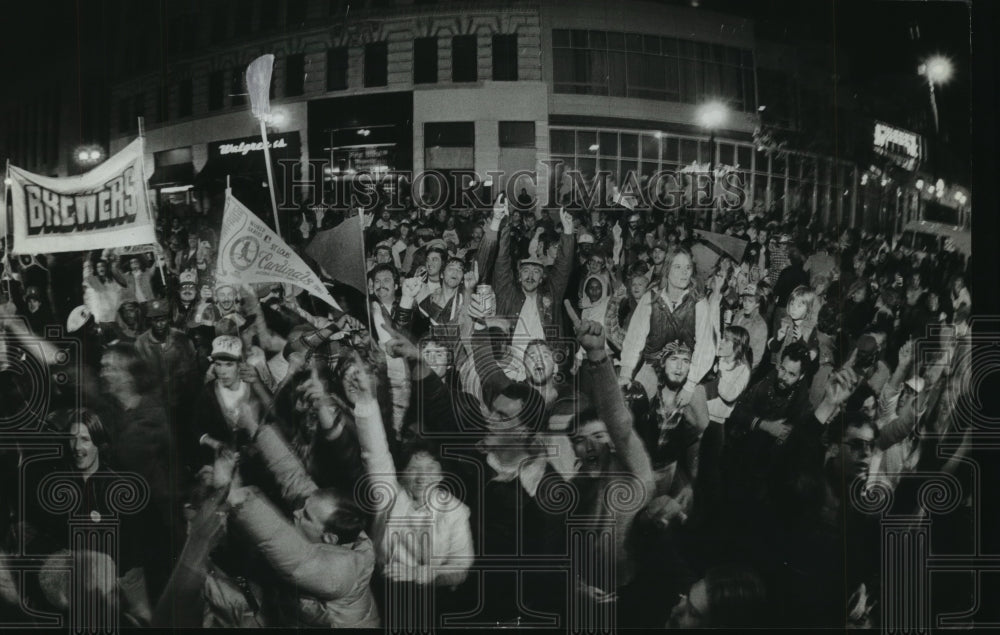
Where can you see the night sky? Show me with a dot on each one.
(876, 37)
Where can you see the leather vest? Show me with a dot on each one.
(666, 326)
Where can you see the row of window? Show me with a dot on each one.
(621, 152)
(462, 134)
(651, 67)
(464, 68)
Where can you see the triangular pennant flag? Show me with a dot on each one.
(340, 251)
(723, 244)
(249, 251)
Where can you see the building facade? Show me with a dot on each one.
(469, 87)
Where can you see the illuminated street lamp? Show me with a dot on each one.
(712, 115)
(938, 70)
(88, 156)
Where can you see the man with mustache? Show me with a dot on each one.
(534, 306)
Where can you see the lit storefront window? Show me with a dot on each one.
(789, 182)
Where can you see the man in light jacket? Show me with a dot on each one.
(323, 558)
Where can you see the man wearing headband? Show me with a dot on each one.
(671, 433)
(673, 311)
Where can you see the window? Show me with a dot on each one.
(216, 90)
(459, 134)
(124, 116)
(220, 22)
(244, 19)
(138, 109)
(296, 13)
(268, 17)
(237, 87)
(184, 98)
(505, 58)
(425, 60)
(464, 64)
(337, 7)
(295, 71)
(562, 141)
(517, 134)
(376, 64)
(336, 68)
(162, 104)
(651, 67)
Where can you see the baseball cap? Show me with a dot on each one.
(32, 293)
(227, 347)
(585, 239)
(531, 261)
(188, 277)
(661, 245)
(157, 308)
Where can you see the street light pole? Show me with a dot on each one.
(934, 109)
(711, 180)
(937, 69)
(712, 115)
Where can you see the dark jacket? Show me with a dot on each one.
(510, 297)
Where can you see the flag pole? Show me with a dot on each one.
(368, 300)
(7, 274)
(270, 176)
(142, 167)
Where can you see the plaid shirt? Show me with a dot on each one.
(779, 260)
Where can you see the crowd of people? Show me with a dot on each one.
(530, 413)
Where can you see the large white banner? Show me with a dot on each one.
(249, 251)
(106, 207)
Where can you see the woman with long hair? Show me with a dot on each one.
(732, 373)
(674, 311)
(421, 531)
(798, 324)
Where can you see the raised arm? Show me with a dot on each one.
(286, 468)
(614, 331)
(486, 253)
(503, 274)
(319, 570)
(610, 403)
(706, 315)
(371, 431)
(565, 260)
(635, 337)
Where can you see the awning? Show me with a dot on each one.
(243, 159)
(164, 175)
